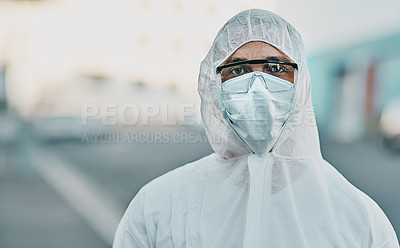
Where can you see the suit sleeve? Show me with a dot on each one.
(131, 231)
(382, 231)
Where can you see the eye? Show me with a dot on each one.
(238, 71)
(276, 68)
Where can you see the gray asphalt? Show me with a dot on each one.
(33, 215)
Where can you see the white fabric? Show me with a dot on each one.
(291, 197)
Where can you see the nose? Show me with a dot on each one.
(257, 67)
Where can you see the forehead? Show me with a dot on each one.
(257, 50)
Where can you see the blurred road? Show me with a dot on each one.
(44, 205)
(33, 214)
(72, 194)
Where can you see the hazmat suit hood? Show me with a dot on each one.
(299, 136)
(290, 197)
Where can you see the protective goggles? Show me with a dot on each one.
(280, 69)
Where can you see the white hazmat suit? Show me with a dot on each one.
(291, 197)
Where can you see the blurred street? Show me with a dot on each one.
(71, 194)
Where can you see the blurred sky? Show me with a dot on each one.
(48, 43)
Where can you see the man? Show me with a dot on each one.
(267, 184)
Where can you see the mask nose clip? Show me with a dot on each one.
(257, 79)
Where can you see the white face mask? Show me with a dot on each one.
(257, 106)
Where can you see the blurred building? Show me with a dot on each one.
(351, 86)
(49, 45)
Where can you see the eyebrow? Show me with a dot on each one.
(238, 59)
(280, 58)
(234, 59)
